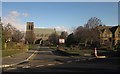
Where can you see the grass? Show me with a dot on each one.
(53, 47)
(32, 46)
(12, 52)
(14, 48)
(82, 51)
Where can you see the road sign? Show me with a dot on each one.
(62, 41)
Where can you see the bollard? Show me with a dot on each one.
(95, 52)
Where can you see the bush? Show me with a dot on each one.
(117, 47)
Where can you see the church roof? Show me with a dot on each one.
(44, 30)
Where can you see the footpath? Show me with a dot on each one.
(17, 58)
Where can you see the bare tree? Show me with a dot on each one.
(54, 38)
(10, 33)
(86, 35)
(17, 36)
(7, 32)
(82, 34)
(93, 22)
(63, 35)
(71, 40)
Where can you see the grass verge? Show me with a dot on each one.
(12, 52)
(83, 52)
(14, 48)
(32, 46)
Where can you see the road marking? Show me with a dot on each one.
(31, 55)
(10, 68)
(51, 64)
(90, 58)
(60, 63)
(4, 66)
(26, 67)
(40, 65)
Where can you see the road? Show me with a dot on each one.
(49, 60)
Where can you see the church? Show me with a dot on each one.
(36, 35)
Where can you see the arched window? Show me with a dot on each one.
(31, 27)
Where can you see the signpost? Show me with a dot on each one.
(61, 41)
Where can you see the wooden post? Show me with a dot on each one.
(95, 52)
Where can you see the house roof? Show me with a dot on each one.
(108, 30)
(44, 30)
(102, 30)
(113, 29)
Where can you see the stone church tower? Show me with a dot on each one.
(29, 37)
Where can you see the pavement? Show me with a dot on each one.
(17, 59)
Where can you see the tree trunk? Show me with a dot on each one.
(85, 42)
(91, 42)
(5, 45)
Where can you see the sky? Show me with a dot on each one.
(59, 0)
(60, 15)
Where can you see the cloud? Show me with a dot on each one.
(63, 28)
(14, 20)
(14, 14)
(25, 14)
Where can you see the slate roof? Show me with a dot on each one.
(113, 29)
(109, 29)
(44, 30)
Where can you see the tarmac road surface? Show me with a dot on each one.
(44, 60)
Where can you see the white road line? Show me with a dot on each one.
(51, 64)
(5, 65)
(10, 68)
(90, 58)
(40, 65)
(60, 63)
(26, 67)
(32, 55)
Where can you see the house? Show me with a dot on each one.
(109, 34)
(115, 34)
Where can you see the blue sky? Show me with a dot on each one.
(64, 15)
